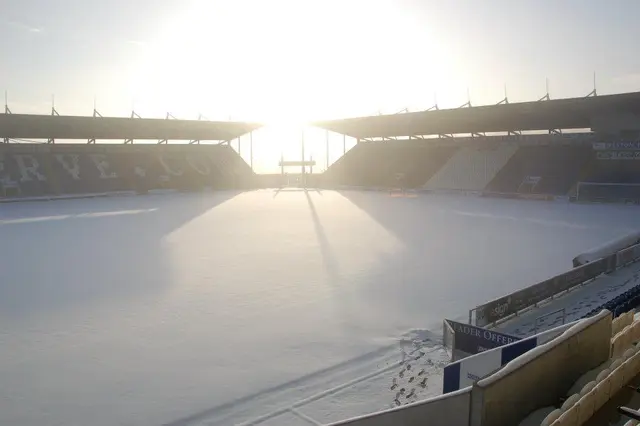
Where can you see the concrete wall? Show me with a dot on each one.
(543, 375)
(446, 410)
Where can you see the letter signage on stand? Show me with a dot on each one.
(29, 168)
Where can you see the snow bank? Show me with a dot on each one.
(607, 249)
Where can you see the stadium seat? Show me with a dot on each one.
(568, 418)
(627, 338)
(588, 388)
(617, 380)
(603, 375)
(615, 326)
(636, 360)
(551, 417)
(615, 364)
(602, 391)
(629, 353)
(635, 331)
(629, 370)
(616, 346)
(570, 402)
(585, 407)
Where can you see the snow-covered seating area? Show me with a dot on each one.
(596, 387)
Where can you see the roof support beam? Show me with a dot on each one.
(6, 111)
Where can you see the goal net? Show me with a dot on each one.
(608, 192)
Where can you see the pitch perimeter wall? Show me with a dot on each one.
(508, 306)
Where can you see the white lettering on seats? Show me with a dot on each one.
(169, 170)
(73, 168)
(100, 160)
(29, 165)
(140, 171)
(5, 179)
(198, 165)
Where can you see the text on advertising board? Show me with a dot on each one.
(472, 340)
(508, 305)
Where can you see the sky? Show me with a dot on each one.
(285, 62)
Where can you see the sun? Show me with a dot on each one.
(283, 62)
(261, 66)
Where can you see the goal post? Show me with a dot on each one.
(602, 192)
(296, 180)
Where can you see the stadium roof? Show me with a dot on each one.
(575, 113)
(23, 126)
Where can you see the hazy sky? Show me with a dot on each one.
(264, 59)
(303, 59)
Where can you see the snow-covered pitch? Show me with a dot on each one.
(268, 307)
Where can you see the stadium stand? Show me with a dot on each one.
(423, 160)
(472, 167)
(49, 170)
(549, 165)
(543, 169)
(523, 168)
(406, 164)
(408, 156)
(612, 174)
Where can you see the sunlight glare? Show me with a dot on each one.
(291, 61)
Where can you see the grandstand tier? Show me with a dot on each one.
(544, 169)
(405, 164)
(472, 167)
(598, 165)
(46, 170)
(550, 165)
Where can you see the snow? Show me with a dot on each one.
(535, 352)
(575, 303)
(608, 248)
(264, 307)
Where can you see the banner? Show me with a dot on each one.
(463, 373)
(618, 155)
(472, 340)
(514, 302)
(603, 146)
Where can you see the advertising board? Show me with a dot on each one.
(472, 340)
(604, 146)
(465, 372)
(514, 302)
